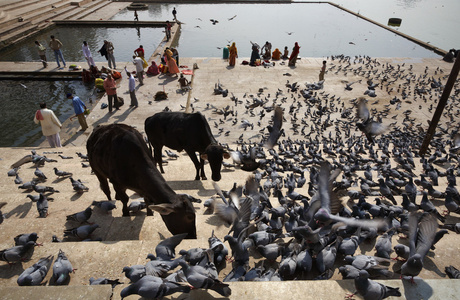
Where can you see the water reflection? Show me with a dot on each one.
(20, 100)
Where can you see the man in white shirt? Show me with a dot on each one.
(139, 63)
(50, 125)
(87, 53)
(132, 89)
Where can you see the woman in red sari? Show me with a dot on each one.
(233, 55)
(153, 69)
(295, 52)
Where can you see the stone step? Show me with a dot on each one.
(12, 5)
(85, 10)
(89, 292)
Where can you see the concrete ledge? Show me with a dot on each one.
(90, 292)
(110, 23)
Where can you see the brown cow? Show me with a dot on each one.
(119, 153)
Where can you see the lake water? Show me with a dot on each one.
(320, 29)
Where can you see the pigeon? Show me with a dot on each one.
(28, 185)
(369, 127)
(135, 272)
(62, 269)
(24, 238)
(106, 206)
(82, 156)
(166, 249)
(429, 207)
(152, 287)
(82, 216)
(18, 180)
(371, 290)
(61, 173)
(452, 272)
(205, 278)
(158, 267)
(18, 253)
(421, 236)
(219, 248)
(103, 280)
(136, 206)
(78, 186)
(275, 130)
(35, 274)
(65, 157)
(385, 191)
(44, 189)
(13, 172)
(81, 232)
(453, 227)
(40, 175)
(42, 206)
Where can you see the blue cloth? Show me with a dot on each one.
(78, 105)
(57, 55)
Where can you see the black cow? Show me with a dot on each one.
(189, 132)
(119, 153)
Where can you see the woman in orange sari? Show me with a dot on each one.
(233, 55)
(276, 54)
(171, 62)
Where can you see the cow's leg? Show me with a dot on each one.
(123, 197)
(104, 185)
(158, 157)
(203, 176)
(198, 165)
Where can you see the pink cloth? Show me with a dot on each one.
(38, 115)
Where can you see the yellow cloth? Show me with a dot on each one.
(144, 64)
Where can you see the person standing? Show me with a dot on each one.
(110, 87)
(107, 51)
(254, 55)
(323, 70)
(88, 55)
(233, 55)
(136, 17)
(168, 27)
(140, 51)
(50, 125)
(41, 53)
(294, 54)
(79, 108)
(139, 63)
(132, 89)
(174, 12)
(56, 45)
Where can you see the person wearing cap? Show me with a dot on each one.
(50, 125)
(79, 107)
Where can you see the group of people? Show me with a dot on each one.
(264, 53)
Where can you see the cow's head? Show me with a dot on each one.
(178, 216)
(215, 154)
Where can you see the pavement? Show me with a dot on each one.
(127, 241)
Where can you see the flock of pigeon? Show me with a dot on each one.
(317, 193)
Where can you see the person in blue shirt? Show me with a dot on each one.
(79, 107)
